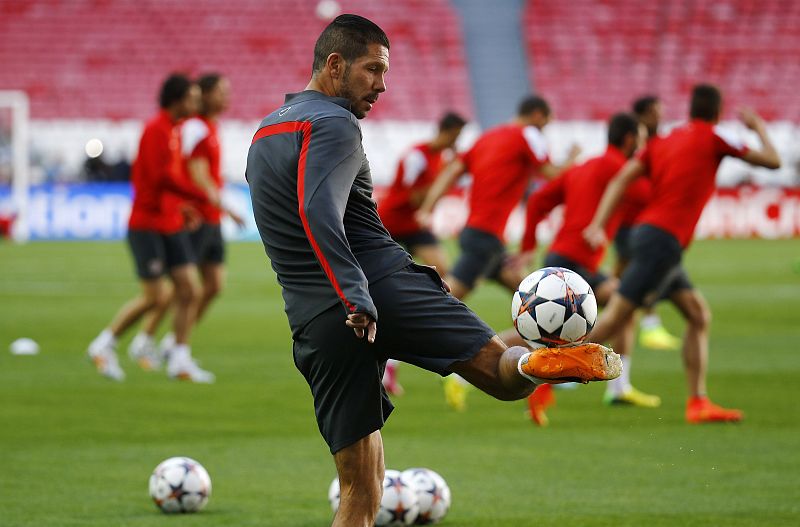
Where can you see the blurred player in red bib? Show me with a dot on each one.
(682, 168)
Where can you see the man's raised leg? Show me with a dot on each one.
(512, 373)
(361, 469)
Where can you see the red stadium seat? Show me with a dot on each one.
(626, 48)
(106, 59)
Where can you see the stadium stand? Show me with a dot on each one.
(90, 59)
(590, 58)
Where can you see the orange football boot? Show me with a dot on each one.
(574, 363)
(702, 410)
(541, 398)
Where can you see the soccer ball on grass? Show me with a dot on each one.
(180, 484)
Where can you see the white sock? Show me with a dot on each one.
(106, 338)
(524, 360)
(650, 321)
(142, 338)
(180, 352)
(622, 383)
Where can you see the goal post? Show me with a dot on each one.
(19, 106)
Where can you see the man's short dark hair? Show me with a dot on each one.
(620, 126)
(208, 82)
(451, 121)
(643, 104)
(706, 102)
(531, 104)
(175, 88)
(348, 35)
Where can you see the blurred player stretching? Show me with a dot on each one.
(201, 151)
(157, 237)
(683, 168)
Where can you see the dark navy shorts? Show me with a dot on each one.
(655, 271)
(482, 256)
(417, 239)
(207, 243)
(622, 243)
(418, 323)
(593, 279)
(155, 254)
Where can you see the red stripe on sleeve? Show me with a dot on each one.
(305, 128)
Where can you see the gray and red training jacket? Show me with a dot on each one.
(311, 189)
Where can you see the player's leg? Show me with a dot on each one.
(350, 405)
(481, 254)
(695, 310)
(211, 259)
(652, 333)
(102, 349)
(180, 363)
(149, 256)
(423, 325)
(621, 390)
(143, 348)
(213, 280)
(360, 467)
(185, 279)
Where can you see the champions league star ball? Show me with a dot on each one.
(180, 484)
(433, 495)
(399, 503)
(553, 307)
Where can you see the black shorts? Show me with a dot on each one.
(593, 279)
(655, 270)
(207, 243)
(417, 239)
(155, 254)
(418, 323)
(482, 256)
(622, 243)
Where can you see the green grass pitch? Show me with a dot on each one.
(77, 449)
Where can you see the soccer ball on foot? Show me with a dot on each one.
(553, 307)
(433, 495)
(180, 484)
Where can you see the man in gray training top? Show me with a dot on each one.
(312, 198)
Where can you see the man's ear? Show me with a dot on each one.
(336, 65)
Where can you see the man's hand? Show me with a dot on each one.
(362, 324)
(192, 219)
(751, 119)
(445, 285)
(236, 218)
(424, 218)
(574, 151)
(594, 236)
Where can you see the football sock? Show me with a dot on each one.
(106, 338)
(179, 351)
(524, 359)
(142, 338)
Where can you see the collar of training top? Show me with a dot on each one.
(309, 95)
